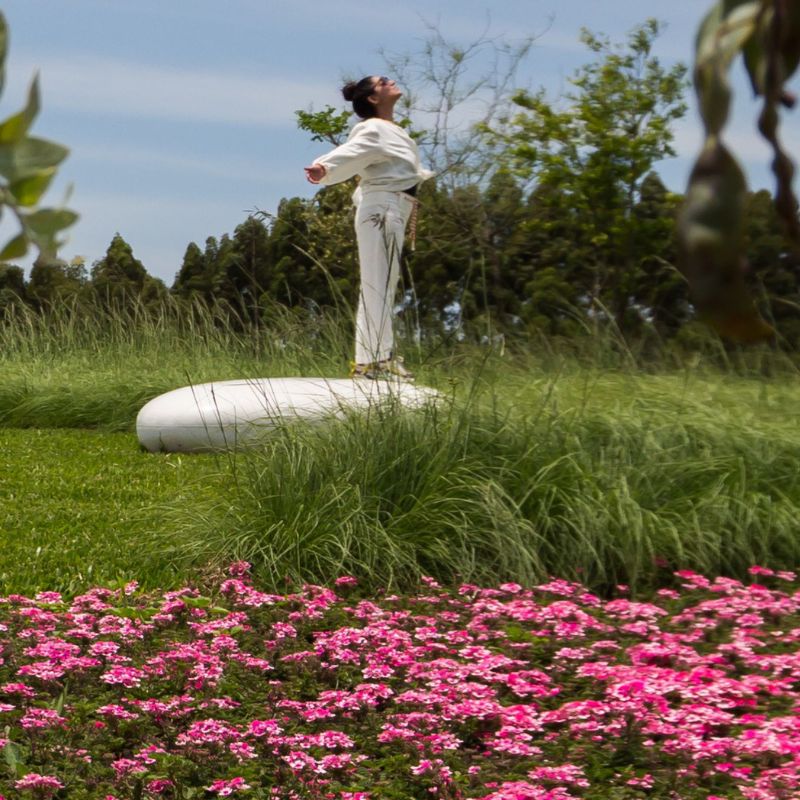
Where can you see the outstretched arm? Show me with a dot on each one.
(362, 149)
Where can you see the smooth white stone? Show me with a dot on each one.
(228, 414)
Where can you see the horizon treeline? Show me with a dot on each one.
(546, 218)
(496, 259)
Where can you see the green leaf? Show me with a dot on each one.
(13, 756)
(756, 64)
(710, 229)
(28, 191)
(726, 29)
(59, 704)
(15, 128)
(16, 248)
(48, 221)
(29, 157)
(760, 47)
(3, 49)
(791, 40)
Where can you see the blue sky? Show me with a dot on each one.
(180, 113)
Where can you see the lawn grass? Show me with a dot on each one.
(75, 504)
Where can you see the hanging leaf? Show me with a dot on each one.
(29, 157)
(710, 230)
(16, 248)
(767, 34)
(3, 50)
(28, 191)
(15, 128)
(48, 221)
(720, 39)
(28, 165)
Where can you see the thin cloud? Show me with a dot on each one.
(94, 85)
(230, 168)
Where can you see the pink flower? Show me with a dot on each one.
(160, 786)
(48, 597)
(18, 688)
(242, 751)
(42, 784)
(42, 718)
(124, 676)
(116, 711)
(756, 570)
(209, 731)
(224, 788)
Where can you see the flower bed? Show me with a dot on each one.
(507, 693)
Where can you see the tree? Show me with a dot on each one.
(192, 279)
(774, 266)
(453, 91)
(13, 291)
(313, 251)
(54, 283)
(118, 280)
(548, 258)
(589, 158)
(249, 269)
(660, 291)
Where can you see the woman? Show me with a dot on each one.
(387, 161)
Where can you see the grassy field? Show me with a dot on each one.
(606, 477)
(534, 463)
(75, 505)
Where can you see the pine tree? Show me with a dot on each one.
(118, 280)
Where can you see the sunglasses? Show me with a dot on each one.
(383, 81)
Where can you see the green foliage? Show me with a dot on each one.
(13, 291)
(589, 161)
(55, 284)
(82, 365)
(767, 34)
(328, 125)
(27, 167)
(118, 279)
(774, 267)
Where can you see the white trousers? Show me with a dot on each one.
(381, 219)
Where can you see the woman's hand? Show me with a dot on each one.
(315, 173)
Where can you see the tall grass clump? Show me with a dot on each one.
(603, 478)
(89, 365)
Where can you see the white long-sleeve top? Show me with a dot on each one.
(381, 153)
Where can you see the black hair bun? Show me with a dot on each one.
(349, 90)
